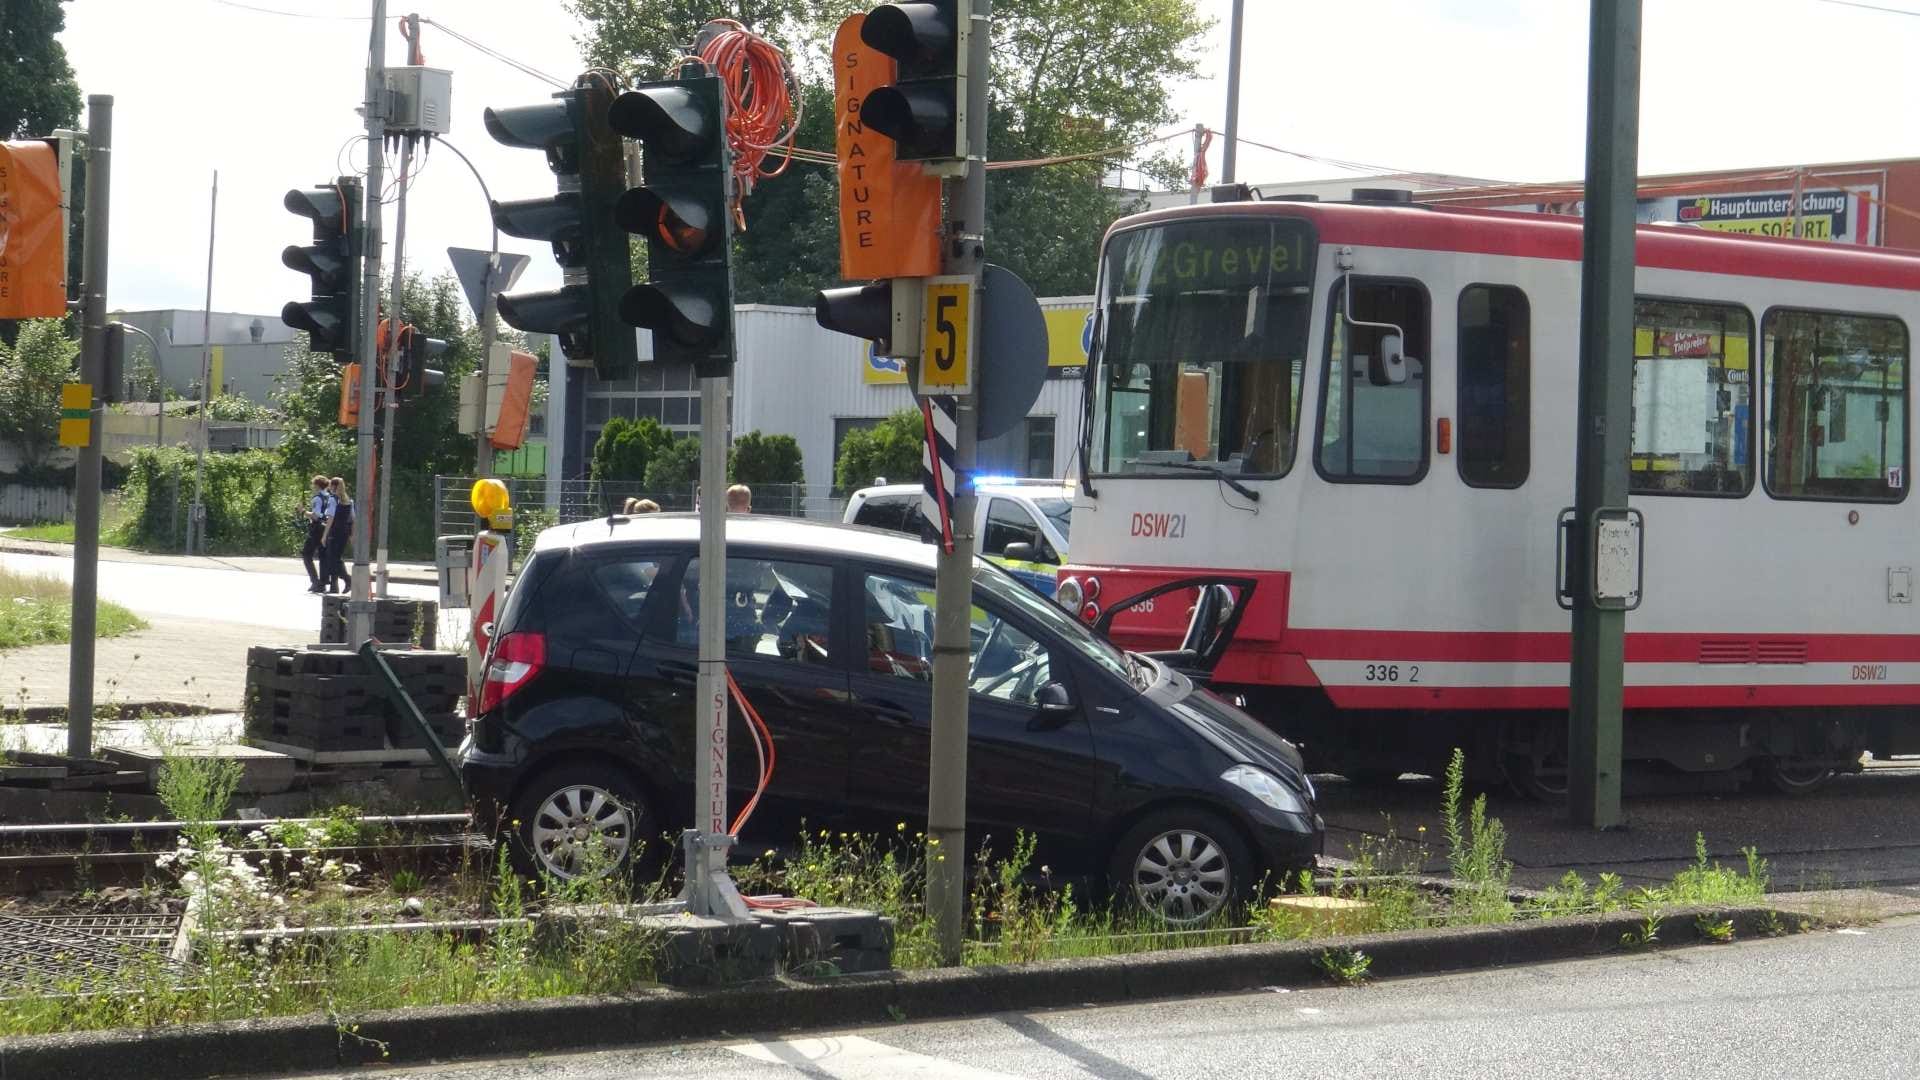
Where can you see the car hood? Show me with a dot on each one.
(1234, 733)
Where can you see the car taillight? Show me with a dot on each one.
(517, 658)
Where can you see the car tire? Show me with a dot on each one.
(1183, 865)
(579, 821)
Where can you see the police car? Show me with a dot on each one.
(1021, 524)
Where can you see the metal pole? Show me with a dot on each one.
(489, 308)
(1606, 402)
(1228, 156)
(360, 607)
(197, 516)
(394, 322)
(86, 477)
(1193, 174)
(160, 420)
(964, 253)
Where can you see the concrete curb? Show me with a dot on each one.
(52, 548)
(298, 1044)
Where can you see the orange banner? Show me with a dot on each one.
(889, 210)
(33, 283)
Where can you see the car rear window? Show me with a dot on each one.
(521, 613)
(883, 512)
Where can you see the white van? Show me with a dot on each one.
(1037, 513)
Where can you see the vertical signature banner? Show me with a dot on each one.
(889, 210)
(32, 231)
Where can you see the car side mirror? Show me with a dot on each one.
(1052, 707)
(1019, 551)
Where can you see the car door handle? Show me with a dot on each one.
(676, 672)
(888, 711)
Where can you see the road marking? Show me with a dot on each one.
(1308, 1012)
(851, 1057)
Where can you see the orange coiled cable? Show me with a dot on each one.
(762, 105)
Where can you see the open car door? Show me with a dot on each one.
(1219, 602)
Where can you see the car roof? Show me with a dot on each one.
(797, 534)
(1035, 487)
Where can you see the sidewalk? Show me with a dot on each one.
(405, 573)
(191, 661)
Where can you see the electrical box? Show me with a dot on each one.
(422, 100)
(451, 555)
(473, 404)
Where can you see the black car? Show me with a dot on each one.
(1119, 765)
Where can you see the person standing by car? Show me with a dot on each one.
(319, 509)
(338, 530)
(739, 499)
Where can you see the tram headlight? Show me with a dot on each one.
(1068, 594)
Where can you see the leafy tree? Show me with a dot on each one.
(31, 371)
(892, 448)
(766, 459)
(673, 472)
(37, 89)
(1070, 77)
(233, 408)
(626, 447)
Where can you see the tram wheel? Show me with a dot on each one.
(1790, 777)
(1538, 776)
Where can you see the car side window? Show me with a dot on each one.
(882, 512)
(1009, 523)
(776, 609)
(627, 584)
(1007, 663)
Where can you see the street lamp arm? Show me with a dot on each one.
(482, 181)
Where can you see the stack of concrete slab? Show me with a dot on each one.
(324, 701)
(396, 621)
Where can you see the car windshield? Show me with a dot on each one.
(999, 585)
(1058, 510)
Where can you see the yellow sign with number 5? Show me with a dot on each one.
(946, 336)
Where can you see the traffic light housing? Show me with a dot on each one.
(682, 209)
(925, 109)
(588, 161)
(412, 377)
(331, 316)
(886, 313)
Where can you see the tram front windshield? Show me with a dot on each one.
(1203, 345)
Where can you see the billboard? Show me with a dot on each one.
(1841, 215)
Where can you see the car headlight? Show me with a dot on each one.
(1266, 787)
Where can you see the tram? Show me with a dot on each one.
(1363, 412)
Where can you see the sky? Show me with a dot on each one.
(1494, 89)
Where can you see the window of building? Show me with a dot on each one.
(1836, 406)
(675, 411)
(1373, 411)
(1495, 390)
(1039, 446)
(1692, 398)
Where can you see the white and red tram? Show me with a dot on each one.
(1389, 476)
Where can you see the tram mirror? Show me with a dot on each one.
(1387, 367)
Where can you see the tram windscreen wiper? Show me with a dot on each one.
(1214, 471)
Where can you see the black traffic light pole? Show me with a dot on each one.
(86, 478)
(963, 251)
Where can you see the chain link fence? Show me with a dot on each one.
(538, 504)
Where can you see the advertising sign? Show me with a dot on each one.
(889, 210)
(1848, 215)
(32, 232)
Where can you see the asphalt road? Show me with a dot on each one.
(1819, 1005)
(153, 590)
(1857, 831)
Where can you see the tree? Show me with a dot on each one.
(1070, 77)
(31, 371)
(37, 90)
(766, 459)
(673, 473)
(626, 447)
(892, 448)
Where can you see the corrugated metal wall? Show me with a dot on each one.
(24, 505)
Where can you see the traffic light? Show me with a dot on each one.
(412, 378)
(886, 313)
(925, 110)
(682, 208)
(588, 160)
(332, 315)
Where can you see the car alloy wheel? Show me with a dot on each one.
(1183, 875)
(581, 831)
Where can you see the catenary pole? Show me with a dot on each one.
(395, 320)
(197, 516)
(86, 477)
(1605, 403)
(963, 252)
(1230, 155)
(360, 607)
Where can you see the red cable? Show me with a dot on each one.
(758, 728)
(762, 113)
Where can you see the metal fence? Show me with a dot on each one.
(28, 504)
(535, 500)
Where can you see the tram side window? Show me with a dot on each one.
(1836, 406)
(1495, 391)
(1692, 399)
(1373, 413)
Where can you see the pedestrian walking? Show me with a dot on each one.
(339, 531)
(319, 509)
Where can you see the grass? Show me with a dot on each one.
(1016, 913)
(57, 532)
(38, 610)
